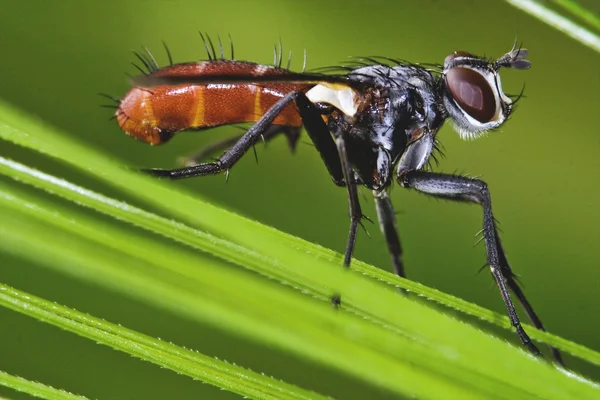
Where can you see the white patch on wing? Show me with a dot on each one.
(341, 97)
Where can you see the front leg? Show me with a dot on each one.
(476, 191)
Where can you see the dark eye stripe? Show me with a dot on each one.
(472, 92)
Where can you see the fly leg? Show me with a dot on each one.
(353, 201)
(387, 223)
(414, 157)
(292, 134)
(334, 155)
(476, 191)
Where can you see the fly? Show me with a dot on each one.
(372, 122)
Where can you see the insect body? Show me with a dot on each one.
(371, 123)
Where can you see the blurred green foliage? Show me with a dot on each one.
(543, 167)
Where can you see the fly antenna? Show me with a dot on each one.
(221, 47)
(168, 53)
(515, 58)
(206, 47)
(289, 60)
(275, 55)
(231, 47)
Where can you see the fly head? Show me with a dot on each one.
(472, 91)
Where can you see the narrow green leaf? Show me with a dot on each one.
(36, 389)
(260, 263)
(580, 12)
(197, 366)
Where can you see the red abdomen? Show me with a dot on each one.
(154, 115)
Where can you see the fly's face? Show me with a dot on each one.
(472, 91)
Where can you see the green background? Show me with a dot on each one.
(542, 167)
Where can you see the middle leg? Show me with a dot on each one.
(389, 228)
(353, 201)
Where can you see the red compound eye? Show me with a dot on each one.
(472, 92)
